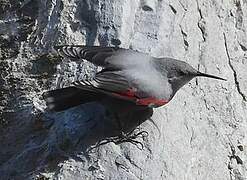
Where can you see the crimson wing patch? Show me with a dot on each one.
(113, 84)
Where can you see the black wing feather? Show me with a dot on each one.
(93, 54)
(107, 81)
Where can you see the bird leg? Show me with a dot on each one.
(123, 136)
(129, 137)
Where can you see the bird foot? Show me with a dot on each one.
(129, 137)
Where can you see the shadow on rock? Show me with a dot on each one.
(63, 135)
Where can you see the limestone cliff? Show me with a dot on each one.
(202, 130)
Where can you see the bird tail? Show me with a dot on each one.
(61, 99)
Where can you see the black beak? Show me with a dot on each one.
(209, 76)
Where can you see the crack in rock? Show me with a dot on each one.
(183, 6)
(173, 9)
(184, 35)
(243, 47)
(201, 23)
(233, 70)
(148, 5)
(239, 15)
(234, 160)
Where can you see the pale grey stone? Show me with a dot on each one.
(201, 133)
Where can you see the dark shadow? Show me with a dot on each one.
(88, 124)
(119, 119)
(80, 129)
(52, 138)
(86, 13)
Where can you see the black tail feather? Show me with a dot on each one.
(62, 99)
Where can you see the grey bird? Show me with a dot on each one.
(127, 75)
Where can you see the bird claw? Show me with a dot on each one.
(123, 138)
(131, 138)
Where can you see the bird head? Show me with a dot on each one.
(179, 73)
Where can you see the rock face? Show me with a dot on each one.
(200, 134)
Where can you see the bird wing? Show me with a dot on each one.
(127, 74)
(111, 83)
(121, 85)
(108, 57)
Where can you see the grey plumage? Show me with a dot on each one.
(128, 75)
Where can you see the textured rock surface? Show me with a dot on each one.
(203, 129)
